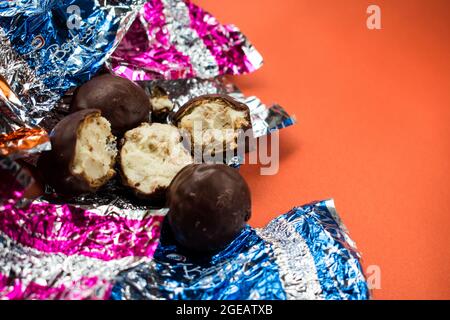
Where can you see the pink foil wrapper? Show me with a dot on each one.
(175, 39)
(61, 251)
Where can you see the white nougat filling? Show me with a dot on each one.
(161, 103)
(214, 125)
(95, 151)
(152, 155)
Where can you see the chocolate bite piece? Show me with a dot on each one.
(122, 102)
(213, 122)
(209, 205)
(83, 154)
(150, 156)
(161, 104)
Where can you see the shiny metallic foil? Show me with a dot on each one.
(24, 141)
(175, 39)
(304, 254)
(120, 250)
(65, 44)
(61, 251)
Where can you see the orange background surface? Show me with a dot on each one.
(373, 111)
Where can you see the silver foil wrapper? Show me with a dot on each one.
(305, 254)
(72, 41)
(51, 250)
(176, 39)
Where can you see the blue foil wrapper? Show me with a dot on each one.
(304, 254)
(50, 46)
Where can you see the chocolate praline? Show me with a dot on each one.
(162, 106)
(122, 102)
(71, 173)
(150, 156)
(209, 205)
(214, 112)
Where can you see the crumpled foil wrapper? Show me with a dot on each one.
(305, 254)
(175, 39)
(23, 142)
(48, 47)
(120, 250)
(61, 251)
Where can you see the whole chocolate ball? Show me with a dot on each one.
(122, 102)
(209, 205)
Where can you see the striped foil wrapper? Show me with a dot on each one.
(176, 39)
(50, 250)
(46, 48)
(111, 251)
(305, 254)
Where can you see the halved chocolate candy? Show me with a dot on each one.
(162, 106)
(122, 102)
(150, 156)
(208, 205)
(83, 154)
(214, 123)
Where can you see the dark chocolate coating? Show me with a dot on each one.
(122, 102)
(232, 103)
(156, 198)
(36, 187)
(209, 205)
(55, 165)
(162, 115)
